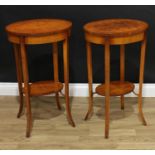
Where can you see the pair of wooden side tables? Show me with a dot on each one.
(104, 32)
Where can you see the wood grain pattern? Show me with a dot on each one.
(51, 131)
(44, 88)
(117, 88)
(18, 62)
(116, 27)
(34, 40)
(117, 32)
(40, 31)
(56, 71)
(107, 86)
(122, 70)
(26, 87)
(38, 27)
(66, 80)
(90, 80)
(141, 79)
(114, 40)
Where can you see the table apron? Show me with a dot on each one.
(39, 39)
(114, 40)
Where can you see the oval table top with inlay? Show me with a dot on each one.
(116, 27)
(38, 27)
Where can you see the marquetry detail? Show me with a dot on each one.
(40, 31)
(109, 32)
(117, 88)
(44, 87)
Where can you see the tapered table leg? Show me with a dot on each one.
(107, 87)
(90, 79)
(141, 79)
(17, 55)
(66, 80)
(26, 87)
(56, 71)
(122, 70)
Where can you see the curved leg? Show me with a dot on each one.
(56, 72)
(66, 81)
(141, 77)
(19, 77)
(90, 80)
(122, 70)
(26, 87)
(107, 87)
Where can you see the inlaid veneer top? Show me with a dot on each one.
(38, 27)
(116, 27)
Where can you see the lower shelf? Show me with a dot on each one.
(44, 87)
(117, 88)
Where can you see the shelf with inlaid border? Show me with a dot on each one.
(44, 87)
(117, 88)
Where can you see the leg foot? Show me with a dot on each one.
(141, 115)
(88, 115)
(122, 102)
(143, 119)
(57, 101)
(27, 134)
(20, 107)
(28, 116)
(90, 110)
(68, 109)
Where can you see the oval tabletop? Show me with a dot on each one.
(38, 27)
(115, 27)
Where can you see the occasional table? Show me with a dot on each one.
(115, 32)
(40, 31)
